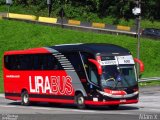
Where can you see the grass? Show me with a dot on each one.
(16, 35)
(108, 20)
(1, 82)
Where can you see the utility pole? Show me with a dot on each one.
(9, 3)
(49, 3)
(138, 30)
(61, 13)
(139, 34)
(137, 12)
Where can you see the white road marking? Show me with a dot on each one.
(90, 111)
(7, 106)
(155, 109)
(39, 108)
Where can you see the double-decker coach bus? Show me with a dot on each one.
(81, 74)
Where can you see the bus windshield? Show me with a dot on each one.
(118, 77)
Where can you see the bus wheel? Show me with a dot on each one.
(113, 107)
(25, 98)
(79, 100)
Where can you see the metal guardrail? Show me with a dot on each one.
(149, 79)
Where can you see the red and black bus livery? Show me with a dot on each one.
(81, 74)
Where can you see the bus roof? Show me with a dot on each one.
(92, 48)
(28, 51)
(101, 48)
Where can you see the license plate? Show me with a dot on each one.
(123, 100)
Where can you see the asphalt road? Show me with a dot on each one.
(147, 109)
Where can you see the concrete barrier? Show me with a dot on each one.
(124, 28)
(74, 22)
(22, 16)
(47, 20)
(98, 25)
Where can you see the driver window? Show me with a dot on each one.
(93, 75)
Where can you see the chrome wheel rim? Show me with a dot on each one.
(80, 100)
(25, 98)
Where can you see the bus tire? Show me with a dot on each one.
(79, 100)
(113, 107)
(25, 98)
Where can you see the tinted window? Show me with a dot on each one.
(31, 62)
(90, 68)
(93, 75)
(75, 60)
(11, 62)
(25, 62)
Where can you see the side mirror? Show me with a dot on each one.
(99, 67)
(141, 65)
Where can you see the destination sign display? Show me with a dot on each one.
(115, 60)
(125, 59)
